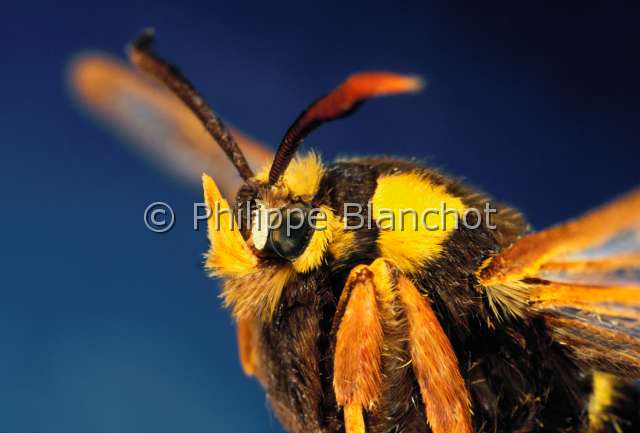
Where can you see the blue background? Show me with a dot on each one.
(107, 327)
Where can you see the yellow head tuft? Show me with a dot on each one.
(229, 254)
(302, 177)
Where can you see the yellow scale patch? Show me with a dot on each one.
(302, 177)
(602, 398)
(411, 231)
(328, 226)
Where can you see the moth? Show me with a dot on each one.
(459, 328)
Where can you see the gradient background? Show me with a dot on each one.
(107, 327)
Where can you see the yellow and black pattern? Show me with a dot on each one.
(458, 329)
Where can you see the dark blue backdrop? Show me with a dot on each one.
(106, 327)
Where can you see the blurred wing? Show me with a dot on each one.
(583, 277)
(157, 122)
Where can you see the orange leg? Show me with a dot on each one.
(357, 373)
(435, 365)
(245, 346)
(359, 340)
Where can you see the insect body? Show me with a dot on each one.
(447, 322)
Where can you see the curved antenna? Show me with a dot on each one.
(140, 54)
(340, 102)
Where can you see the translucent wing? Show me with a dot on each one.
(583, 278)
(157, 122)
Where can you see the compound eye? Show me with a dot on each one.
(292, 236)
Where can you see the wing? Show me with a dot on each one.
(583, 278)
(156, 121)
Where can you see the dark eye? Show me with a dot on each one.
(290, 239)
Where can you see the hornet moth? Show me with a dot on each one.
(379, 329)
